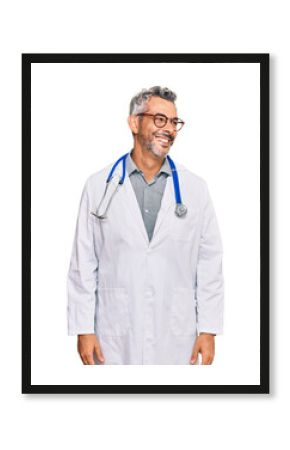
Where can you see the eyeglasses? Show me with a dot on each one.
(160, 120)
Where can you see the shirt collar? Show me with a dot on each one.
(131, 166)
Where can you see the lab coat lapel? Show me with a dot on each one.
(166, 203)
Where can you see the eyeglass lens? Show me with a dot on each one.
(161, 121)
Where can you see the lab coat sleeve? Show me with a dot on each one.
(82, 274)
(210, 282)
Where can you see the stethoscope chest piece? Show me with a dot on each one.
(180, 210)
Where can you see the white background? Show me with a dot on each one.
(219, 421)
(79, 125)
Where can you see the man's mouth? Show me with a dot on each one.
(164, 139)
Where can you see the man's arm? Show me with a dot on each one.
(210, 286)
(82, 284)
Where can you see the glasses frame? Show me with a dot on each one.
(167, 118)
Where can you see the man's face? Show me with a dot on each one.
(151, 138)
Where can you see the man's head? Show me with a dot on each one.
(153, 120)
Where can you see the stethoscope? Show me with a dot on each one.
(113, 184)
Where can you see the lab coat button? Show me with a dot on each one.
(149, 292)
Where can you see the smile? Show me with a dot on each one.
(163, 140)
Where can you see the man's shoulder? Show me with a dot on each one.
(186, 173)
(99, 176)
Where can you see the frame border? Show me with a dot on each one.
(263, 60)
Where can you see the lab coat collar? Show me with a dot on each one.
(131, 166)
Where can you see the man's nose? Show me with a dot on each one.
(170, 128)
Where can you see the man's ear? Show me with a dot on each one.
(133, 122)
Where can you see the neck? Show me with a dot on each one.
(146, 161)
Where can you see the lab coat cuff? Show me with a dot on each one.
(72, 332)
(216, 331)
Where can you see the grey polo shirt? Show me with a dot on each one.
(149, 195)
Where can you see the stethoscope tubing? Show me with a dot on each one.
(180, 209)
(123, 159)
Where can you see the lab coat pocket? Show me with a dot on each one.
(183, 312)
(113, 312)
(183, 228)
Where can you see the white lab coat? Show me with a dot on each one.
(146, 301)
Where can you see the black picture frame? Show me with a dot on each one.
(260, 58)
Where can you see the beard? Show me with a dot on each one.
(150, 145)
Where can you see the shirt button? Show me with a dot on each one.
(146, 210)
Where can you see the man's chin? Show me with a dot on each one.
(158, 152)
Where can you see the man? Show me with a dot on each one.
(145, 283)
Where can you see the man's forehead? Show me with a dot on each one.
(157, 104)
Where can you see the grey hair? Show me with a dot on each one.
(139, 101)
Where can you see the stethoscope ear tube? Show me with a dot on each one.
(111, 188)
